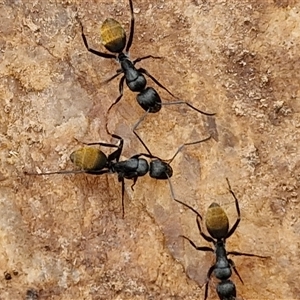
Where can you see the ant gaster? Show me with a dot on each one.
(91, 160)
(113, 38)
(217, 225)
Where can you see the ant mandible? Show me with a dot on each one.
(217, 225)
(113, 38)
(93, 161)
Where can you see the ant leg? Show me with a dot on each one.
(95, 172)
(206, 237)
(179, 201)
(121, 87)
(210, 271)
(155, 80)
(114, 155)
(112, 77)
(98, 53)
(204, 248)
(145, 155)
(233, 228)
(236, 253)
(199, 217)
(235, 270)
(135, 126)
(134, 182)
(123, 190)
(145, 57)
(187, 144)
(130, 39)
(102, 144)
(117, 153)
(189, 105)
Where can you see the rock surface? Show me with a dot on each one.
(63, 236)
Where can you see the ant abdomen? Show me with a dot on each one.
(113, 35)
(217, 223)
(89, 158)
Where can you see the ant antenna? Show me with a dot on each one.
(179, 201)
(186, 144)
(56, 172)
(141, 119)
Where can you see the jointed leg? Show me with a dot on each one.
(98, 53)
(179, 201)
(130, 39)
(235, 225)
(134, 182)
(116, 154)
(123, 191)
(141, 119)
(206, 237)
(145, 57)
(210, 271)
(235, 270)
(112, 77)
(121, 88)
(155, 80)
(204, 248)
(187, 144)
(236, 253)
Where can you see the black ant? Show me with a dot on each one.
(113, 37)
(217, 225)
(91, 160)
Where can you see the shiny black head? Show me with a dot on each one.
(160, 169)
(149, 100)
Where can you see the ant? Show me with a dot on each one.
(113, 38)
(217, 225)
(91, 160)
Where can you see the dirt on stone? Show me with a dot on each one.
(63, 236)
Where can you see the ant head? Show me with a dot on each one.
(89, 158)
(160, 169)
(217, 223)
(113, 36)
(149, 100)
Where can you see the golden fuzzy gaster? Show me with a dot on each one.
(217, 222)
(113, 36)
(89, 158)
